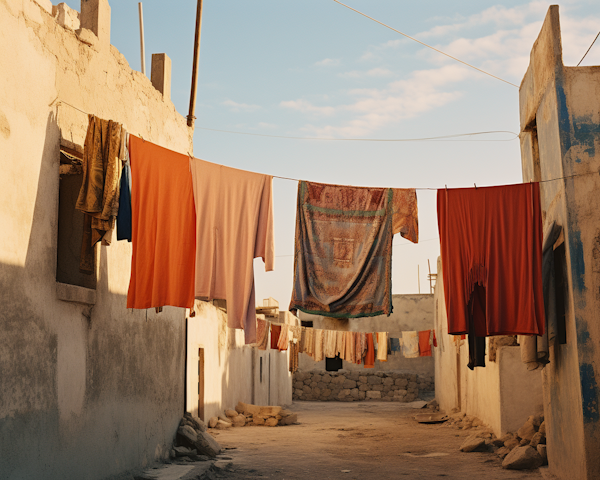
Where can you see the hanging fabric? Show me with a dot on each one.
(370, 353)
(262, 334)
(284, 339)
(343, 248)
(489, 237)
(98, 197)
(319, 353)
(124, 213)
(275, 334)
(333, 364)
(234, 214)
(382, 346)
(425, 343)
(163, 228)
(410, 344)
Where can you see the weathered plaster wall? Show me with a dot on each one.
(565, 103)
(231, 368)
(410, 312)
(502, 395)
(85, 393)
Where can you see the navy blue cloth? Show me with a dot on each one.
(124, 215)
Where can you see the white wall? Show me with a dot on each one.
(231, 368)
(86, 393)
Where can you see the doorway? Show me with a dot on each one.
(201, 383)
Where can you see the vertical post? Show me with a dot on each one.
(143, 52)
(191, 117)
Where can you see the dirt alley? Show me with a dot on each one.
(357, 441)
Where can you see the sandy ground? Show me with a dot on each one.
(355, 441)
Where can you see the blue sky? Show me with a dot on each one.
(313, 68)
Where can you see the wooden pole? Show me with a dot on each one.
(142, 47)
(191, 117)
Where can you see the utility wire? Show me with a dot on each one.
(440, 138)
(424, 44)
(60, 102)
(587, 49)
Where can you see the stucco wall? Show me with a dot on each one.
(565, 104)
(410, 312)
(502, 394)
(84, 393)
(231, 368)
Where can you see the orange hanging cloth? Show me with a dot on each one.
(163, 228)
(424, 343)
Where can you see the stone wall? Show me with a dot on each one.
(355, 386)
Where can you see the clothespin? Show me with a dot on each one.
(475, 186)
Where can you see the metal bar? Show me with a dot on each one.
(191, 117)
(142, 47)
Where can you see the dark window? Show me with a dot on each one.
(306, 323)
(70, 222)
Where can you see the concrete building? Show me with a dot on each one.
(410, 313)
(502, 395)
(560, 136)
(89, 389)
(222, 370)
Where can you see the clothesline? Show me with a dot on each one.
(417, 188)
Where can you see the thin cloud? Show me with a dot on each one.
(240, 107)
(374, 72)
(328, 62)
(305, 106)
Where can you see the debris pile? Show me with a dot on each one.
(193, 440)
(248, 414)
(522, 450)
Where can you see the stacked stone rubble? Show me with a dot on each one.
(357, 386)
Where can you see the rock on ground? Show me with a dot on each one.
(212, 423)
(473, 444)
(207, 445)
(511, 443)
(289, 420)
(522, 458)
(527, 431)
(238, 421)
(186, 436)
(502, 452)
(543, 453)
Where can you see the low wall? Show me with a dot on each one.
(354, 386)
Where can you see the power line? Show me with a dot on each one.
(60, 102)
(423, 139)
(587, 49)
(424, 44)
